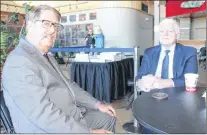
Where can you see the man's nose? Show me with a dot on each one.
(166, 33)
(51, 30)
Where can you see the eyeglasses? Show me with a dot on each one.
(170, 32)
(47, 24)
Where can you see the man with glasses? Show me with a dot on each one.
(164, 65)
(39, 97)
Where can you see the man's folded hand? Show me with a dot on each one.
(146, 83)
(163, 83)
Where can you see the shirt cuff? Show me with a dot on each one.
(97, 105)
(173, 84)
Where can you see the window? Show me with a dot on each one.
(144, 8)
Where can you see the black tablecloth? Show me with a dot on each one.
(104, 81)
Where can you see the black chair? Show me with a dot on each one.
(130, 83)
(5, 116)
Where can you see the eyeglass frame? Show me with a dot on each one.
(51, 23)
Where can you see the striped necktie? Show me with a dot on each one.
(46, 56)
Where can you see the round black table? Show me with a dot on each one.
(182, 112)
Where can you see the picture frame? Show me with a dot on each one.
(72, 18)
(92, 16)
(82, 17)
(64, 19)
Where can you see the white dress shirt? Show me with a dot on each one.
(161, 58)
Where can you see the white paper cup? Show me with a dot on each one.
(191, 80)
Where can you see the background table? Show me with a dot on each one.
(104, 81)
(183, 112)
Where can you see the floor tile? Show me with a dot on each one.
(124, 115)
(119, 128)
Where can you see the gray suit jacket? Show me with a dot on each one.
(39, 97)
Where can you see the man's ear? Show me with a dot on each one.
(177, 36)
(29, 25)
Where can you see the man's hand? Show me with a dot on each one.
(163, 83)
(101, 131)
(150, 79)
(146, 83)
(107, 109)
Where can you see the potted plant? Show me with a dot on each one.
(10, 39)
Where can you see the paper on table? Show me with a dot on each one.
(204, 94)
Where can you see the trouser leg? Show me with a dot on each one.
(98, 120)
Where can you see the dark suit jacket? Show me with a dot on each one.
(185, 61)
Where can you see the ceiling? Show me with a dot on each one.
(51, 3)
(61, 6)
(76, 6)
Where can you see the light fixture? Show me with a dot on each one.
(69, 6)
(35, 3)
(184, 28)
(22, 3)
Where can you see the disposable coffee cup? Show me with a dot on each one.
(191, 80)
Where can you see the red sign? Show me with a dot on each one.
(176, 8)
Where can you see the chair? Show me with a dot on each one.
(5, 116)
(130, 83)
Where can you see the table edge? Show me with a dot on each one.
(148, 125)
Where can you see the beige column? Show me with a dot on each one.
(156, 22)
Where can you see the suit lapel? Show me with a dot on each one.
(56, 66)
(155, 59)
(178, 59)
(47, 64)
(38, 56)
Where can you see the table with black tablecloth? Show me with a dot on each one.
(104, 81)
(181, 113)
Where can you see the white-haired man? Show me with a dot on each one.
(164, 65)
(39, 97)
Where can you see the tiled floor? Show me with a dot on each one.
(123, 115)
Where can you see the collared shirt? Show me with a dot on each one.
(161, 58)
(35, 46)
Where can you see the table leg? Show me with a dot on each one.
(130, 128)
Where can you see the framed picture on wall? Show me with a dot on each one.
(63, 19)
(72, 18)
(74, 35)
(82, 17)
(88, 26)
(92, 16)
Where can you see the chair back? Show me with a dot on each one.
(5, 116)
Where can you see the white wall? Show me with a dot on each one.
(122, 27)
